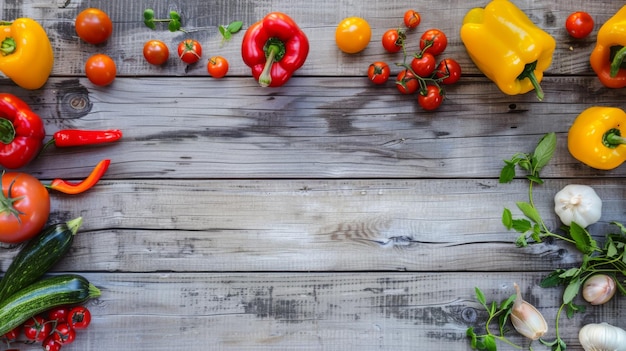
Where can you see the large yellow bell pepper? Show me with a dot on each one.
(507, 47)
(26, 55)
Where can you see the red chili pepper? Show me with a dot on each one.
(76, 137)
(77, 188)
(274, 48)
(21, 132)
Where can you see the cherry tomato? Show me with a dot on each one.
(424, 65)
(12, 334)
(79, 317)
(189, 51)
(156, 52)
(24, 207)
(100, 69)
(579, 24)
(93, 26)
(59, 314)
(37, 329)
(449, 71)
(50, 344)
(406, 82)
(433, 41)
(64, 334)
(378, 72)
(217, 66)
(393, 40)
(352, 35)
(412, 19)
(431, 99)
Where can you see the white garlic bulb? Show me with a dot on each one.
(578, 203)
(602, 337)
(598, 289)
(526, 319)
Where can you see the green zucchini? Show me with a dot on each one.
(37, 256)
(66, 289)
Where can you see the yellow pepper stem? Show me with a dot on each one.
(613, 138)
(617, 61)
(529, 72)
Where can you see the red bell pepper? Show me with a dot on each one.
(21, 132)
(274, 48)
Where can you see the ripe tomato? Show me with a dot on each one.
(579, 24)
(393, 40)
(79, 317)
(431, 99)
(189, 51)
(100, 69)
(64, 334)
(412, 19)
(424, 65)
(24, 207)
(93, 26)
(433, 41)
(406, 82)
(37, 329)
(449, 71)
(378, 72)
(217, 66)
(50, 344)
(12, 334)
(156, 52)
(59, 314)
(352, 35)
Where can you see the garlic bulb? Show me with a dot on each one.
(598, 289)
(602, 337)
(578, 203)
(526, 319)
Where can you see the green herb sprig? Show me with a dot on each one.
(173, 22)
(227, 31)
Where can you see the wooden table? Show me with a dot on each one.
(328, 214)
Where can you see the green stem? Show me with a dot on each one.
(274, 52)
(618, 59)
(529, 72)
(613, 138)
(7, 47)
(7, 131)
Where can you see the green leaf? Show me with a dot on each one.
(521, 225)
(173, 26)
(148, 14)
(521, 241)
(472, 335)
(480, 296)
(507, 303)
(507, 219)
(529, 211)
(584, 241)
(174, 16)
(543, 152)
(571, 290)
(572, 272)
(536, 233)
(535, 179)
(551, 280)
(490, 343)
(234, 26)
(507, 173)
(150, 24)
(611, 250)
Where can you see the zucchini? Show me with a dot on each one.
(66, 289)
(37, 256)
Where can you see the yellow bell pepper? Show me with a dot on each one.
(26, 55)
(595, 137)
(507, 47)
(608, 56)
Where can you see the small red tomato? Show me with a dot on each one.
(406, 82)
(217, 66)
(412, 19)
(50, 344)
(430, 99)
(424, 65)
(59, 314)
(393, 40)
(93, 26)
(100, 69)
(156, 52)
(64, 334)
(433, 41)
(189, 51)
(37, 329)
(449, 71)
(79, 317)
(579, 24)
(378, 72)
(12, 334)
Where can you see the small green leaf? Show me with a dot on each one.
(571, 290)
(584, 241)
(480, 296)
(150, 24)
(173, 26)
(544, 152)
(472, 335)
(529, 211)
(521, 225)
(507, 219)
(570, 273)
(551, 280)
(536, 233)
(490, 343)
(506, 303)
(227, 35)
(234, 26)
(611, 250)
(174, 16)
(148, 14)
(507, 173)
(535, 179)
(521, 241)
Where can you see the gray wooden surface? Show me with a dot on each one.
(328, 214)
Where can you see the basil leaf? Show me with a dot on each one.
(571, 290)
(582, 238)
(480, 296)
(529, 211)
(507, 173)
(507, 219)
(544, 151)
(234, 26)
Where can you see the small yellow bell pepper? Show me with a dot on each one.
(507, 47)
(607, 58)
(26, 55)
(595, 137)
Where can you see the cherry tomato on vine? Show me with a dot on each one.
(50, 344)
(79, 317)
(393, 40)
(189, 51)
(93, 26)
(217, 67)
(430, 99)
(449, 71)
(24, 207)
(156, 52)
(424, 65)
(12, 334)
(434, 41)
(353, 34)
(100, 69)
(579, 24)
(64, 334)
(378, 72)
(59, 314)
(412, 19)
(406, 82)
(37, 329)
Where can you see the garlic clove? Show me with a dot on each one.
(598, 289)
(526, 319)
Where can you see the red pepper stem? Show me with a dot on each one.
(613, 138)
(7, 131)
(529, 72)
(617, 61)
(7, 46)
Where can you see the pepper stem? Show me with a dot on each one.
(613, 138)
(7, 131)
(529, 72)
(618, 59)
(8, 46)
(274, 51)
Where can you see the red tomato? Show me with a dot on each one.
(393, 40)
(217, 66)
(50, 344)
(24, 207)
(100, 69)
(424, 65)
(156, 52)
(37, 329)
(406, 82)
(12, 334)
(431, 99)
(378, 72)
(93, 26)
(59, 314)
(412, 19)
(79, 317)
(189, 51)
(579, 24)
(64, 334)
(433, 41)
(449, 71)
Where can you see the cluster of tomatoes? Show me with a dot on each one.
(189, 51)
(422, 74)
(53, 329)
